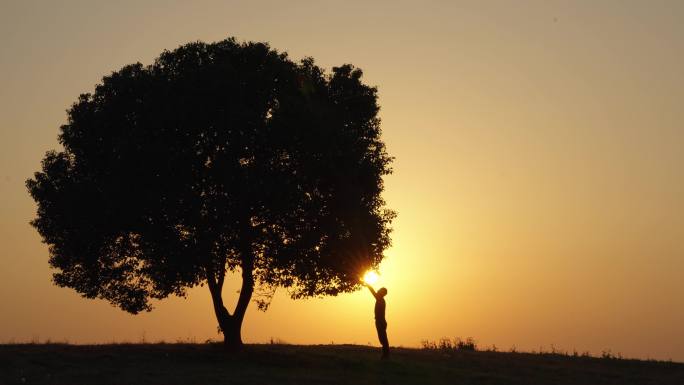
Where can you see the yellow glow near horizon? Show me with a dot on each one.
(370, 277)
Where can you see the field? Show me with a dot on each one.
(321, 364)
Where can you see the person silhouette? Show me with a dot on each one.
(380, 322)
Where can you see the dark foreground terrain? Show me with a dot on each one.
(324, 364)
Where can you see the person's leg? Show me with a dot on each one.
(382, 336)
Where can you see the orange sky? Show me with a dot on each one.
(538, 174)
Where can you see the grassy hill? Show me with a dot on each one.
(322, 364)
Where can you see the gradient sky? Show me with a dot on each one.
(539, 174)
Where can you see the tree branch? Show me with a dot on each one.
(222, 273)
(247, 288)
(215, 288)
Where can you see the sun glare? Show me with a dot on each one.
(370, 277)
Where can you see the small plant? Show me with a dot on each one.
(468, 344)
(428, 345)
(445, 344)
(557, 351)
(278, 341)
(609, 355)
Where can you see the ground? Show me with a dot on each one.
(322, 364)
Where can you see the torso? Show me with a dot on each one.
(380, 309)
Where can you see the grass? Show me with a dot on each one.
(320, 364)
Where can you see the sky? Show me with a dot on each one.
(538, 177)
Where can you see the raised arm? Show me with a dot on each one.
(372, 290)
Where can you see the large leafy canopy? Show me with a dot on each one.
(215, 155)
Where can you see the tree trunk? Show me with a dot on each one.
(231, 324)
(232, 338)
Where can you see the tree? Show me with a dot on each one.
(216, 158)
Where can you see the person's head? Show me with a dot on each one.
(382, 291)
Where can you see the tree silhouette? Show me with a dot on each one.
(217, 158)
